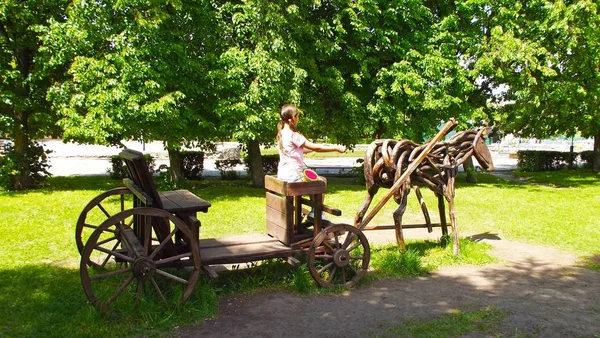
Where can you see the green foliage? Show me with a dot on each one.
(533, 160)
(25, 77)
(118, 170)
(164, 181)
(530, 160)
(134, 69)
(34, 162)
(546, 52)
(393, 262)
(227, 168)
(587, 158)
(359, 172)
(192, 164)
(270, 163)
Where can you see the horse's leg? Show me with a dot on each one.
(423, 208)
(449, 194)
(443, 223)
(401, 199)
(366, 203)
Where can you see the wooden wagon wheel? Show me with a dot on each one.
(115, 273)
(339, 255)
(99, 209)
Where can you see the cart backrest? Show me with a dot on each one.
(144, 189)
(139, 173)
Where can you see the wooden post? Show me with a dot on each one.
(406, 174)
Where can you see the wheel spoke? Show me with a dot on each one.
(170, 276)
(120, 290)
(332, 274)
(91, 226)
(326, 244)
(116, 254)
(110, 274)
(147, 240)
(174, 258)
(356, 245)
(324, 256)
(157, 289)
(138, 292)
(356, 257)
(107, 240)
(106, 213)
(344, 275)
(327, 266)
(164, 243)
(348, 240)
(107, 258)
(353, 269)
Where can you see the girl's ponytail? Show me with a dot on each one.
(287, 113)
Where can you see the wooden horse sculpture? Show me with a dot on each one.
(385, 161)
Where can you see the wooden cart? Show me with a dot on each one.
(135, 240)
(155, 244)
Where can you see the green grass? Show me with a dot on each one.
(454, 324)
(41, 292)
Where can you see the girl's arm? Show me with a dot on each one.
(321, 148)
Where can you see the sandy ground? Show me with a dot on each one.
(545, 293)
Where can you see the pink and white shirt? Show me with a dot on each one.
(291, 160)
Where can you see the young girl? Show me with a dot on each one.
(293, 145)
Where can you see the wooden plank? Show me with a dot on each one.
(235, 240)
(243, 252)
(275, 185)
(293, 261)
(138, 192)
(275, 202)
(294, 189)
(210, 272)
(306, 188)
(404, 226)
(279, 232)
(326, 208)
(276, 217)
(182, 200)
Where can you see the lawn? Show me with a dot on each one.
(41, 291)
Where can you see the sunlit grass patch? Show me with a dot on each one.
(456, 324)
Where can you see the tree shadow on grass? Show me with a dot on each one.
(41, 301)
(48, 301)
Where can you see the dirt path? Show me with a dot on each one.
(543, 291)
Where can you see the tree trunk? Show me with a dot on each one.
(256, 165)
(470, 170)
(175, 163)
(596, 161)
(22, 180)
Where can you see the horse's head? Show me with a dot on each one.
(481, 150)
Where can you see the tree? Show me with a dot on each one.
(25, 114)
(138, 70)
(548, 55)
